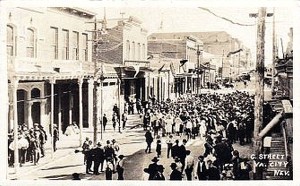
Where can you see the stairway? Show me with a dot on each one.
(276, 169)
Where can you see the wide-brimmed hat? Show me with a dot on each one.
(200, 157)
(155, 159)
(173, 165)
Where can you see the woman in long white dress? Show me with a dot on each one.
(177, 122)
(169, 123)
(202, 129)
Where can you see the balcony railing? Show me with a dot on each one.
(23, 65)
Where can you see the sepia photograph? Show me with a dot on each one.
(148, 93)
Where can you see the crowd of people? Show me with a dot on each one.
(218, 119)
(30, 144)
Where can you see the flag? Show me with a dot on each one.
(160, 69)
(137, 70)
(234, 52)
(150, 57)
(182, 62)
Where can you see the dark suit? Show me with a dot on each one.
(89, 160)
(175, 151)
(152, 169)
(201, 171)
(175, 175)
(213, 173)
(98, 156)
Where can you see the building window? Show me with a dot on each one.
(139, 51)
(75, 46)
(10, 44)
(127, 49)
(30, 49)
(65, 52)
(54, 43)
(133, 51)
(85, 47)
(143, 52)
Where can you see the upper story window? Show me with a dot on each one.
(127, 49)
(10, 42)
(54, 43)
(31, 43)
(85, 46)
(133, 51)
(65, 50)
(75, 46)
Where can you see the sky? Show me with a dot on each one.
(180, 19)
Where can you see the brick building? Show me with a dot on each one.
(123, 47)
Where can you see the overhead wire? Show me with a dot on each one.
(224, 18)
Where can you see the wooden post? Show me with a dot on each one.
(198, 70)
(259, 84)
(52, 82)
(80, 81)
(273, 52)
(95, 96)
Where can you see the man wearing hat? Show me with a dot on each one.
(89, 157)
(152, 168)
(43, 139)
(175, 174)
(200, 169)
(98, 158)
(212, 171)
(149, 140)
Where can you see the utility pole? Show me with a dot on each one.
(273, 53)
(259, 84)
(198, 70)
(239, 63)
(222, 66)
(95, 96)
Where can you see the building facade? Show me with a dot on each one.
(50, 67)
(220, 44)
(182, 49)
(123, 47)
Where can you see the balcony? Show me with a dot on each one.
(32, 65)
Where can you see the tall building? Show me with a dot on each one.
(49, 56)
(123, 47)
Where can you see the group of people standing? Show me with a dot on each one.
(219, 161)
(30, 144)
(98, 156)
